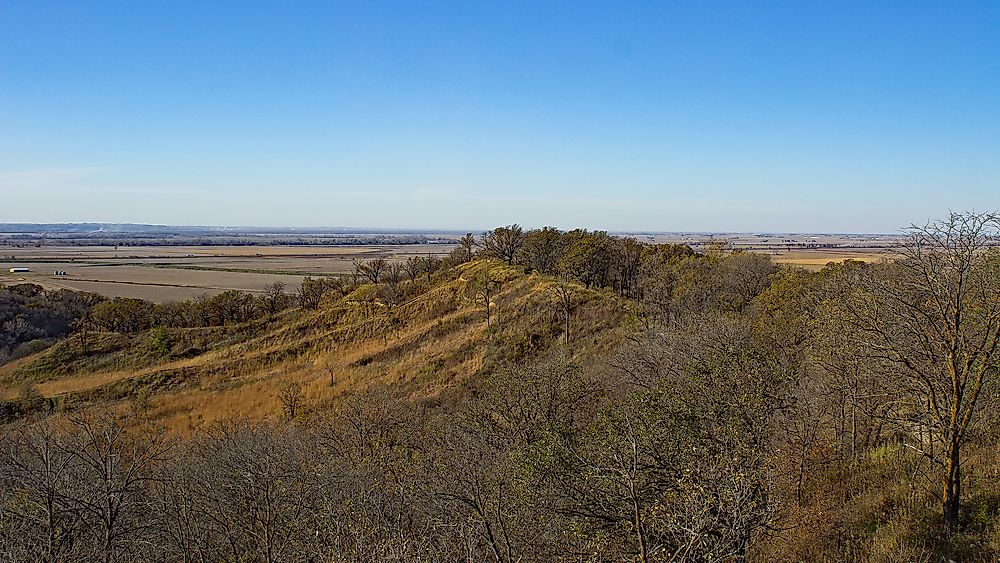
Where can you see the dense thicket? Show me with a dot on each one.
(593, 258)
(30, 317)
(129, 315)
(547, 462)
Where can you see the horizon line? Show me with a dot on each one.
(426, 230)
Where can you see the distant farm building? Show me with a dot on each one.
(19, 270)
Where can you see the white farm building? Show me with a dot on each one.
(19, 270)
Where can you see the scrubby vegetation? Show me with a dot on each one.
(31, 318)
(536, 396)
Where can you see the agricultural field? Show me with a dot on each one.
(814, 259)
(173, 273)
(807, 250)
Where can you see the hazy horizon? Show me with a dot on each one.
(630, 116)
(354, 229)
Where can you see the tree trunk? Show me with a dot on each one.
(640, 530)
(567, 327)
(952, 488)
(854, 428)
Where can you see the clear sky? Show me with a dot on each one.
(746, 116)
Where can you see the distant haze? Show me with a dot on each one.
(737, 117)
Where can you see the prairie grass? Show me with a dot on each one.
(428, 345)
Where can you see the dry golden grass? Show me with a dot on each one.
(438, 340)
(252, 392)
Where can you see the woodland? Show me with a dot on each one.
(588, 398)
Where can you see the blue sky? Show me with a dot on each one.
(794, 116)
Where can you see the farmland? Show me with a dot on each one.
(703, 329)
(162, 274)
(811, 251)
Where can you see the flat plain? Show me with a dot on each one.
(172, 273)
(811, 251)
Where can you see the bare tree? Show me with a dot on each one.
(36, 465)
(254, 490)
(430, 265)
(679, 469)
(291, 399)
(328, 366)
(934, 313)
(394, 273)
(413, 267)
(274, 298)
(483, 288)
(311, 292)
(626, 262)
(356, 272)
(374, 269)
(564, 294)
(115, 466)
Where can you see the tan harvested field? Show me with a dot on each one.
(810, 251)
(815, 259)
(147, 282)
(168, 273)
(158, 294)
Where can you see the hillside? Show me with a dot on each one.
(632, 403)
(433, 344)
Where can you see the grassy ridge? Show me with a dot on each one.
(432, 344)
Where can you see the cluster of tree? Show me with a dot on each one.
(382, 272)
(30, 315)
(546, 462)
(903, 352)
(692, 442)
(129, 315)
(592, 258)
